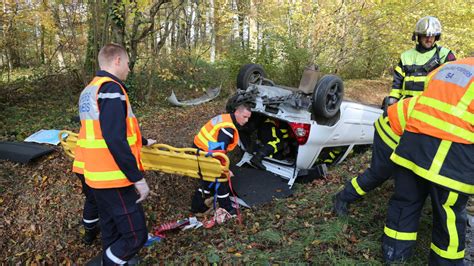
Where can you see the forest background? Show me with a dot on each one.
(186, 44)
(48, 52)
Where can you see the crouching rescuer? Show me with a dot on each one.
(273, 137)
(388, 129)
(220, 134)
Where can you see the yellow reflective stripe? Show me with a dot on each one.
(411, 106)
(467, 98)
(89, 129)
(275, 142)
(451, 223)
(284, 130)
(447, 254)
(395, 93)
(384, 137)
(444, 126)
(433, 177)
(401, 116)
(203, 139)
(221, 125)
(400, 71)
(412, 93)
(440, 156)
(268, 120)
(415, 78)
(104, 176)
(78, 164)
(332, 155)
(356, 186)
(400, 235)
(100, 143)
(206, 134)
(459, 111)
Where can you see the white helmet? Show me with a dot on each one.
(428, 26)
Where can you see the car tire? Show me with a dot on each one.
(250, 74)
(327, 96)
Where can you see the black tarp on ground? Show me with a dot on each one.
(256, 187)
(22, 152)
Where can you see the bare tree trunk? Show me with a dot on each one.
(42, 56)
(5, 30)
(197, 24)
(136, 35)
(241, 11)
(212, 30)
(60, 54)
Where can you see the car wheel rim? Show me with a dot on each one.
(255, 77)
(332, 98)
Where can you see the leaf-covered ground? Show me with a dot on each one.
(41, 203)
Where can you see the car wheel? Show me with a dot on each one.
(327, 96)
(250, 74)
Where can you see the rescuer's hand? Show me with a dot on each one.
(142, 188)
(150, 142)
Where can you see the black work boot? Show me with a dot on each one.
(95, 261)
(340, 206)
(90, 234)
(257, 161)
(198, 203)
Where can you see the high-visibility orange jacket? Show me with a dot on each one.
(445, 110)
(93, 157)
(439, 133)
(398, 114)
(391, 124)
(208, 135)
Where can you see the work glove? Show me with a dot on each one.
(387, 101)
(142, 187)
(150, 142)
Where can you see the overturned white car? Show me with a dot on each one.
(319, 119)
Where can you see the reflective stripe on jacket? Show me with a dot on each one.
(410, 75)
(278, 134)
(385, 132)
(390, 125)
(210, 131)
(99, 167)
(398, 114)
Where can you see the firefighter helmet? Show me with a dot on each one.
(428, 26)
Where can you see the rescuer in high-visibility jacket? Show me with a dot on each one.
(435, 157)
(388, 129)
(108, 156)
(273, 141)
(410, 74)
(220, 134)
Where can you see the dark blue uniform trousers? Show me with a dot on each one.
(122, 223)
(381, 168)
(403, 215)
(90, 212)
